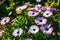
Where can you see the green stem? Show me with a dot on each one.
(58, 2)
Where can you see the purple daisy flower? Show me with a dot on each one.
(47, 29)
(40, 20)
(53, 10)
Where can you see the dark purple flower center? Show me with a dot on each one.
(20, 9)
(33, 13)
(18, 32)
(47, 29)
(34, 29)
(47, 13)
(40, 20)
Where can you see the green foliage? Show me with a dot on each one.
(20, 21)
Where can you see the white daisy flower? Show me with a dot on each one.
(28, 39)
(17, 32)
(33, 29)
(1, 32)
(47, 13)
(5, 20)
(38, 0)
(33, 13)
(40, 20)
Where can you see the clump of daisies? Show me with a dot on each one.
(40, 21)
(47, 11)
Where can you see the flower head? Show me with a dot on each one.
(17, 32)
(40, 20)
(47, 13)
(53, 10)
(33, 13)
(5, 20)
(21, 8)
(33, 29)
(47, 29)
